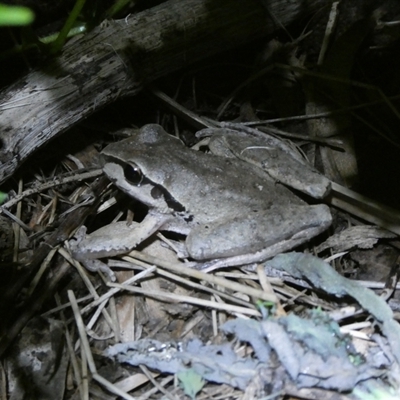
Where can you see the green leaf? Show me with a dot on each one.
(3, 197)
(62, 36)
(15, 16)
(191, 382)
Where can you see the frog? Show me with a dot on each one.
(230, 211)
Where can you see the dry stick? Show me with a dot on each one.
(113, 291)
(76, 177)
(156, 384)
(178, 298)
(363, 207)
(133, 381)
(182, 270)
(151, 392)
(116, 59)
(71, 352)
(185, 282)
(13, 320)
(86, 347)
(88, 284)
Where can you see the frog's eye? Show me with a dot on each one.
(133, 174)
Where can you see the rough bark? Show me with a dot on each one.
(119, 57)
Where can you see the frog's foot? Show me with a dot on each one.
(97, 265)
(92, 265)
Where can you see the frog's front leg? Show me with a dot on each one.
(113, 239)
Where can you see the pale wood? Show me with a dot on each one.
(119, 57)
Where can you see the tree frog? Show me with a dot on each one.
(231, 211)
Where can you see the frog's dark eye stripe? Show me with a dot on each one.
(133, 174)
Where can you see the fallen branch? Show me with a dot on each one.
(117, 58)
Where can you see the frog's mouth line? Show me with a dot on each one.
(158, 191)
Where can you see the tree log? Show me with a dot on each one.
(118, 57)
